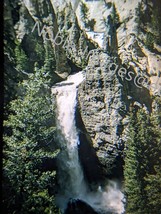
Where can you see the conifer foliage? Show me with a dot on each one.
(153, 176)
(84, 11)
(28, 142)
(134, 165)
(142, 168)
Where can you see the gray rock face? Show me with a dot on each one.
(57, 23)
(76, 43)
(38, 20)
(103, 108)
(105, 95)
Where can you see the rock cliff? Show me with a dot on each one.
(123, 69)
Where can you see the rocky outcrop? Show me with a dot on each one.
(132, 41)
(131, 35)
(115, 80)
(79, 207)
(103, 108)
(104, 101)
(123, 70)
(56, 28)
(39, 22)
(76, 43)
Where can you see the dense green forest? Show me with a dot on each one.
(142, 168)
(29, 129)
(28, 183)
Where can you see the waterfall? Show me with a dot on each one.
(71, 178)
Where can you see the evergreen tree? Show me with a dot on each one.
(28, 142)
(115, 16)
(135, 163)
(156, 22)
(132, 190)
(21, 58)
(153, 176)
(149, 42)
(143, 163)
(144, 139)
(50, 62)
(139, 17)
(84, 10)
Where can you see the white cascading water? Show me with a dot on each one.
(72, 182)
(71, 178)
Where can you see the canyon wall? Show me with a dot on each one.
(123, 72)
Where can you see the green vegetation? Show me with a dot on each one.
(108, 4)
(143, 162)
(149, 42)
(153, 176)
(11, 75)
(29, 128)
(84, 11)
(148, 19)
(84, 15)
(139, 17)
(90, 24)
(49, 62)
(21, 58)
(156, 23)
(115, 16)
(112, 19)
(134, 165)
(28, 187)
